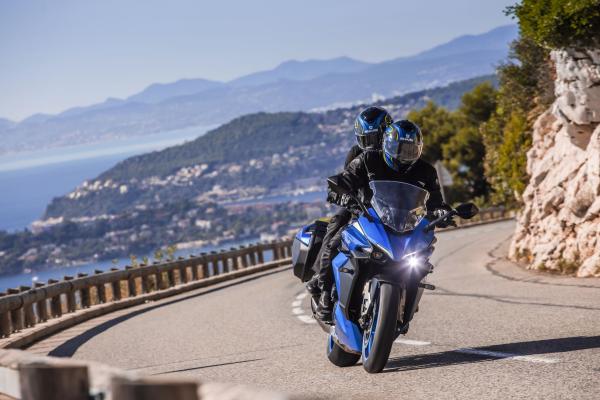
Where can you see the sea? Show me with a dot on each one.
(29, 181)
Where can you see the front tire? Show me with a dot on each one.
(379, 337)
(339, 357)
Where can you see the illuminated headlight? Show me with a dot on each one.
(413, 262)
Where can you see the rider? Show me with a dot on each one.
(399, 160)
(368, 128)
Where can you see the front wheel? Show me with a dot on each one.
(339, 357)
(380, 335)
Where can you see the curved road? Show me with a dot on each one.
(490, 330)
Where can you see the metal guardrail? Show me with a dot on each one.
(28, 314)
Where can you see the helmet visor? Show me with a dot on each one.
(404, 152)
(372, 141)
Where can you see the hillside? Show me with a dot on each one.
(251, 156)
(292, 86)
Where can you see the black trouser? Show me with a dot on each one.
(329, 249)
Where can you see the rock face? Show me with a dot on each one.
(559, 227)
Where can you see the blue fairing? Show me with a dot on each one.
(346, 331)
(338, 262)
(393, 243)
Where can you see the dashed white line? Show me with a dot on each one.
(498, 354)
(412, 342)
(486, 353)
(299, 312)
(301, 296)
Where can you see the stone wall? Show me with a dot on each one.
(559, 226)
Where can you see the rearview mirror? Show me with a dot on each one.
(467, 210)
(336, 185)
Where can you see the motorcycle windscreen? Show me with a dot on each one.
(399, 205)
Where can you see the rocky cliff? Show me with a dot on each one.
(559, 226)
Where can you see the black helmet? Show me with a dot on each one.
(369, 127)
(402, 144)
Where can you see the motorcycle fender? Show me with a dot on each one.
(413, 297)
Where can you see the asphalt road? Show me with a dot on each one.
(490, 330)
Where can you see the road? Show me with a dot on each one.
(490, 330)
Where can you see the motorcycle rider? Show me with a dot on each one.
(369, 127)
(399, 160)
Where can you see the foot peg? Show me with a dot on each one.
(427, 286)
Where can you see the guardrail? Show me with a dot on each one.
(29, 377)
(29, 314)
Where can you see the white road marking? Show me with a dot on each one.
(299, 312)
(306, 319)
(498, 354)
(412, 342)
(487, 353)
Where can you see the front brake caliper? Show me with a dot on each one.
(365, 318)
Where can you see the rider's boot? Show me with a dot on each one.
(325, 307)
(313, 286)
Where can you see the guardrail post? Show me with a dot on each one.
(28, 312)
(244, 256)
(204, 272)
(53, 382)
(55, 302)
(85, 293)
(235, 263)
(16, 316)
(5, 323)
(71, 303)
(194, 266)
(42, 305)
(259, 252)
(182, 271)
(224, 261)
(153, 389)
(131, 283)
(146, 285)
(100, 289)
(116, 288)
(214, 261)
(171, 277)
(160, 278)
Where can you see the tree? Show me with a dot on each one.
(559, 23)
(526, 89)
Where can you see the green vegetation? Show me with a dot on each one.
(559, 23)
(454, 138)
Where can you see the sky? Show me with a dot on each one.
(57, 54)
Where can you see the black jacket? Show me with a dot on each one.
(354, 152)
(370, 166)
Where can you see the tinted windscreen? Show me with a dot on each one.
(399, 205)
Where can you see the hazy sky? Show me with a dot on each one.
(56, 54)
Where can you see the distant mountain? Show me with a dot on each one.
(162, 91)
(6, 123)
(292, 86)
(302, 71)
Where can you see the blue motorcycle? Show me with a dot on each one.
(380, 270)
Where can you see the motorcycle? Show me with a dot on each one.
(380, 271)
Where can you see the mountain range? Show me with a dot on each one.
(291, 86)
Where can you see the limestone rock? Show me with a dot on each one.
(559, 227)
